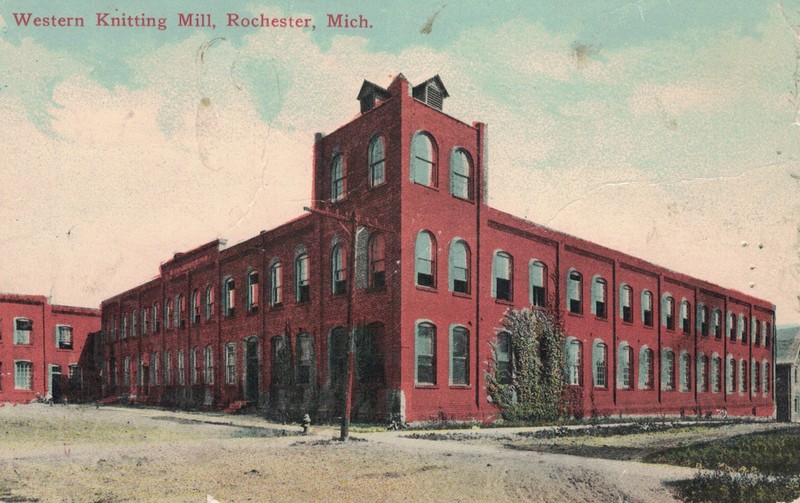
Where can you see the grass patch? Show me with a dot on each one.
(769, 452)
(596, 430)
(736, 487)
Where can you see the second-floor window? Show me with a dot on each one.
(626, 303)
(275, 284)
(537, 274)
(599, 297)
(337, 179)
(423, 160)
(229, 297)
(22, 330)
(252, 292)
(376, 162)
(574, 292)
(647, 308)
(459, 267)
(63, 337)
(302, 285)
(502, 276)
(425, 259)
(338, 270)
(377, 274)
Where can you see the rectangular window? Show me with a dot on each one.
(230, 297)
(599, 297)
(252, 292)
(22, 330)
(647, 309)
(23, 375)
(230, 363)
(126, 371)
(303, 285)
(600, 366)
(304, 359)
(193, 365)
(626, 297)
(538, 295)
(167, 368)
(154, 369)
(275, 285)
(459, 357)
(574, 288)
(63, 337)
(181, 367)
(502, 276)
(426, 351)
(685, 320)
(208, 359)
(502, 355)
(209, 302)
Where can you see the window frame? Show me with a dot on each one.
(503, 277)
(228, 297)
(425, 329)
(459, 267)
(420, 167)
(574, 291)
(455, 177)
(276, 284)
(302, 281)
(376, 259)
(626, 311)
(647, 308)
(376, 165)
(600, 364)
(23, 377)
(425, 260)
(70, 341)
(462, 359)
(338, 270)
(599, 297)
(23, 336)
(231, 371)
(338, 178)
(253, 291)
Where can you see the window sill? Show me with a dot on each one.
(470, 200)
(431, 289)
(627, 323)
(462, 295)
(375, 289)
(601, 318)
(504, 302)
(576, 315)
(460, 386)
(277, 306)
(425, 386)
(430, 187)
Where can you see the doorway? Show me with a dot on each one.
(56, 393)
(251, 370)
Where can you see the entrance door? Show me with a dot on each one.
(55, 383)
(251, 361)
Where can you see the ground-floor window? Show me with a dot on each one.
(208, 359)
(230, 363)
(23, 375)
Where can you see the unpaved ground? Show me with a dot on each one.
(73, 453)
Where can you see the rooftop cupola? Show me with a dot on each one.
(370, 95)
(431, 92)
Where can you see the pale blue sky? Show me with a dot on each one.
(666, 129)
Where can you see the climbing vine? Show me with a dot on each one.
(525, 378)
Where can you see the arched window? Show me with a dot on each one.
(425, 252)
(667, 369)
(574, 360)
(646, 368)
(338, 270)
(625, 366)
(537, 274)
(337, 179)
(647, 308)
(425, 352)
(730, 365)
(731, 326)
(376, 259)
(686, 371)
(301, 281)
(717, 323)
(228, 297)
(502, 276)
(337, 356)
(167, 313)
(716, 373)
(502, 358)
(423, 160)
(755, 375)
(460, 174)
(686, 321)
(376, 162)
(145, 321)
(742, 376)
(304, 371)
(180, 309)
(599, 289)
(754, 331)
(600, 364)
(275, 284)
(459, 356)
(209, 301)
(626, 303)
(369, 354)
(668, 311)
(155, 318)
(742, 326)
(574, 292)
(702, 373)
(459, 267)
(252, 292)
(195, 314)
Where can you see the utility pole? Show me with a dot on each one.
(349, 219)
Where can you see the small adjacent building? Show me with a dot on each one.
(42, 349)
(787, 373)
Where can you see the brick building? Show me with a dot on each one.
(434, 270)
(787, 373)
(42, 349)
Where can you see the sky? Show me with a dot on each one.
(667, 129)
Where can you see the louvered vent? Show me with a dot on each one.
(434, 97)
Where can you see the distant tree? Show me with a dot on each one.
(526, 377)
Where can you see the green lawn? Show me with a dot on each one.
(758, 467)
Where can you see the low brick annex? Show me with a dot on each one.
(434, 269)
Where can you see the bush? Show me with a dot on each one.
(533, 391)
